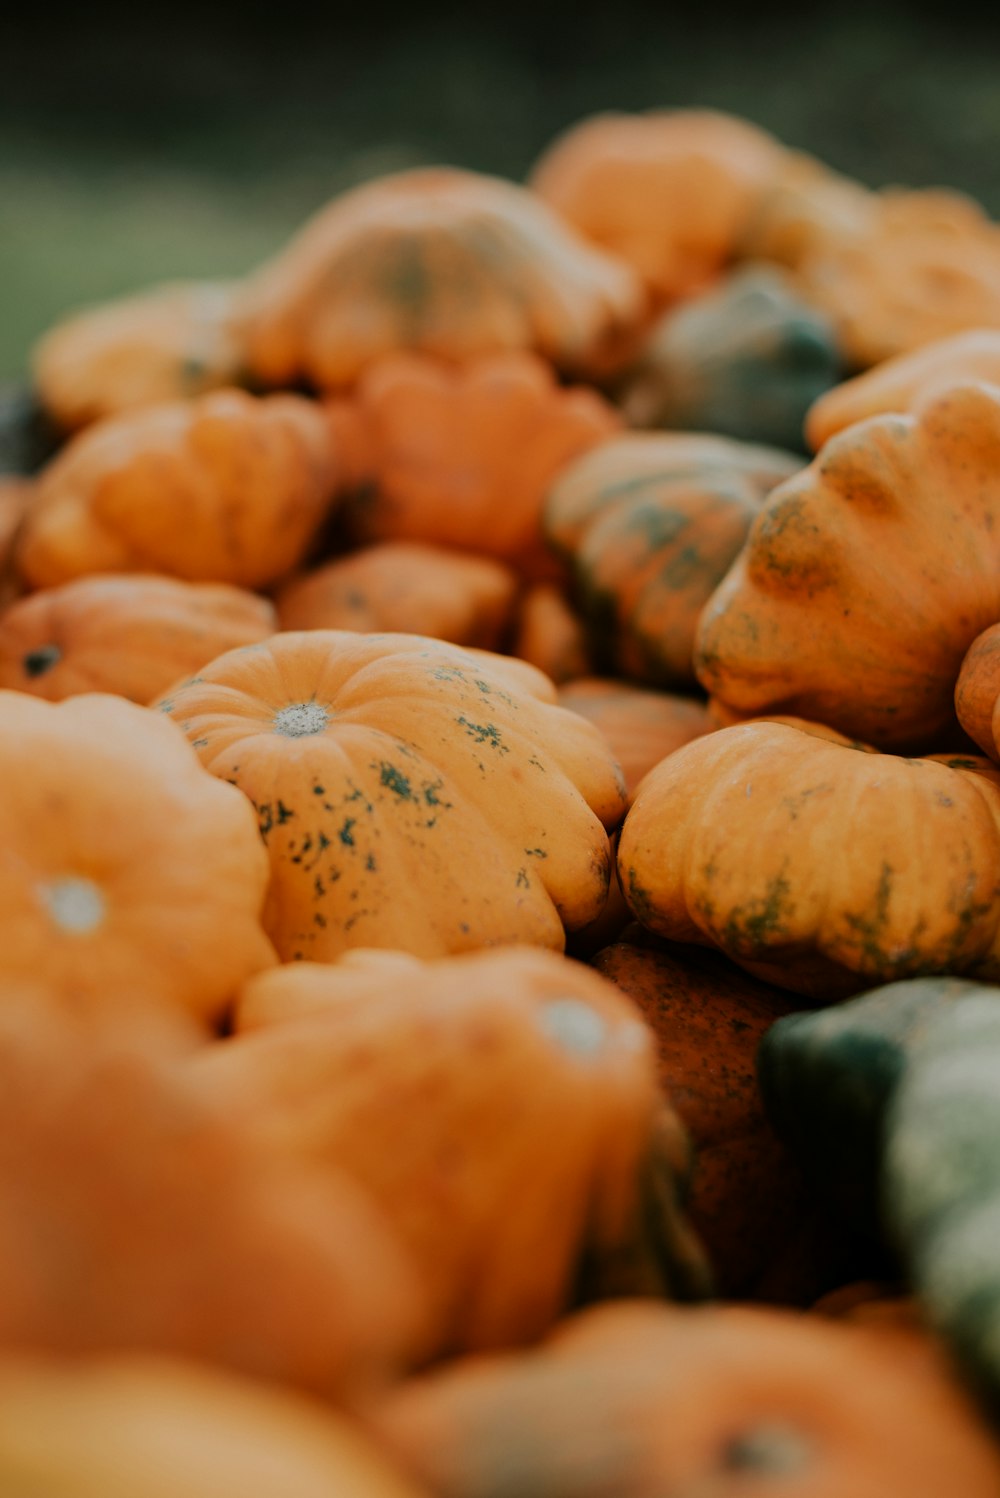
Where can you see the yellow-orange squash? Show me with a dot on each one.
(649, 524)
(814, 866)
(133, 634)
(641, 726)
(905, 382)
(170, 343)
(693, 1402)
(501, 1109)
(128, 876)
(549, 634)
(228, 488)
(438, 261)
(977, 692)
(136, 1214)
(463, 457)
(866, 577)
(669, 191)
(131, 1427)
(804, 207)
(411, 794)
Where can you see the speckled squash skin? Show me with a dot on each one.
(905, 382)
(708, 1018)
(132, 634)
(169, 343)
(410, 794)
(815, 866)
(747, 358)
(723, 1400)
(817, 616)
(501, 1108)
(977, 691)
(438, 261)
(228, 488)
(642, 726)
(649, 524)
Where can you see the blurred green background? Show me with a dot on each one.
(145, 142)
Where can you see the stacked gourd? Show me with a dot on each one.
(449, 728)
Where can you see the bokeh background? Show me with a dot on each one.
(143, 142)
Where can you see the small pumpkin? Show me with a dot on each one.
(549, 634)
(649, 524)
(905, 382)
(155, 1428)
(462, 457)
(708, 1018)
(410, 794)
(866, 578)
(649, 1400)
(668, 191)
(747, 358)
(814, 866)
(135, 1215)
(404, 586)
(977, 691)
(227, 488)
(450, 263)
(169, 343)
(804, 207)
(129, 634)
(641, 726)
(500, 1108)
(128, 876)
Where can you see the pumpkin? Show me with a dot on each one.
(157, 1428)
(500, 1108)
(939, 1191)
(905, 382)
(928, 267)
(814, 866)
(130, 634)
(128, 876)
(410, 794)
(803, 207)
(404, 586)
(228, 488)
(169, 343)
(649, 524)
(668, 190)
(977, 691)
(746, 358)
(708, 1019)
(646, 1401)
(827, 1078)
(549, 634)
(462, 457)
(866, 578)
(135, 1215)
(438, 261)
(641, 726)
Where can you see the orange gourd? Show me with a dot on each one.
(803, 208)
(641, 726)
(977, 692)
(549, 634)
(410, 794)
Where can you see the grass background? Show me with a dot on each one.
(144, 142)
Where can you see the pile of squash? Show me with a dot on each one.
(500, 874)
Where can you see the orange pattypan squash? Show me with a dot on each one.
(170, 343)
(439, 261)
(404, 586)
(668, 191)
(463, 457)
(549, 634)
(130, 634)
(136, 1214)
(708, 1018)
(138, 1427)
(805, 207)
(905, 382)
(977, 692)
(866, 577)
(814, 866)
(127, 874)
(698, 1402)
(228, 488)
(649, 524)
(411, 794)
(641, 726)
(501, 1109)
